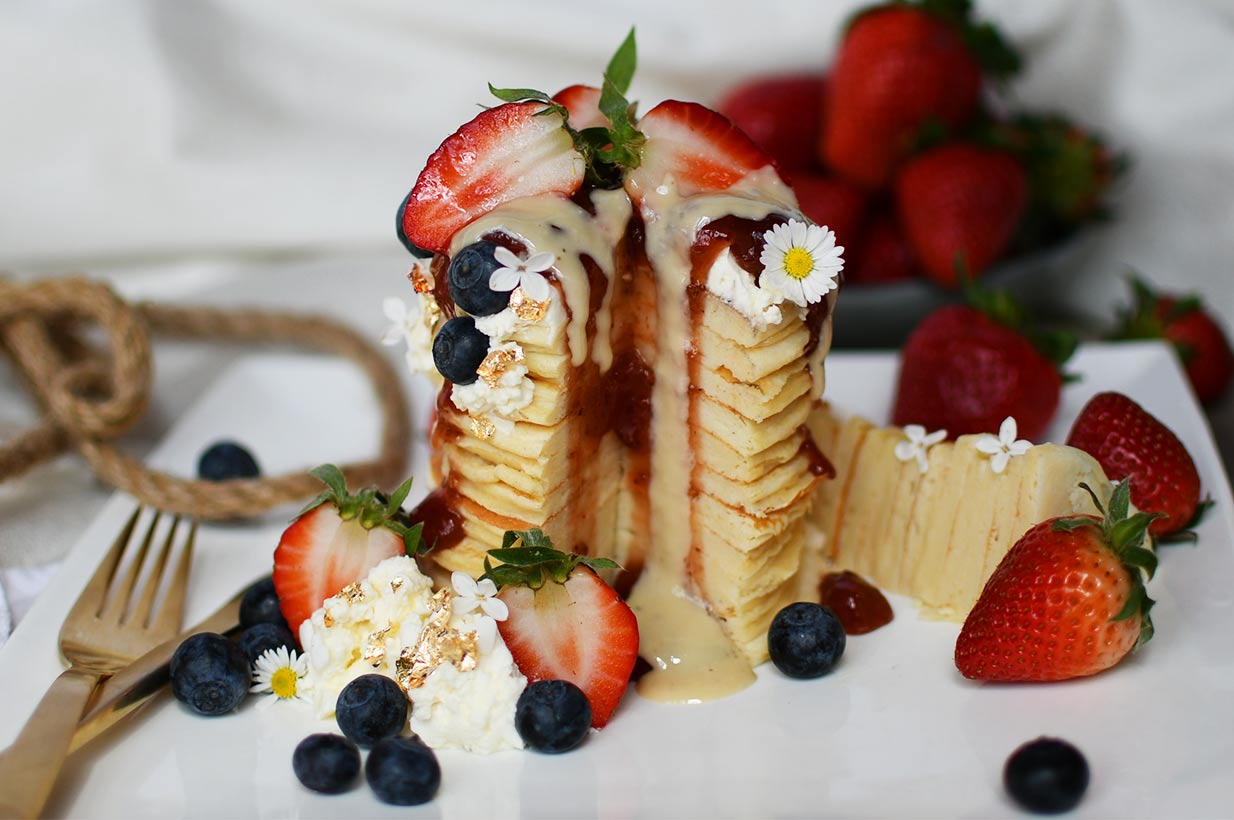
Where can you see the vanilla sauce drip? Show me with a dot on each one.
(691, 657)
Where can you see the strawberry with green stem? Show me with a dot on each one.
(1133, 445)
(1200, 342)
(564, 621)
(965, 368)
(1068, 599)
(901, 68)
(336, 540)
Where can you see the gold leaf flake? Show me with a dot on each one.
(526, 308)
(396, 583)
(375, 647)
(421, 279)
(497, 362)
(482, 428)
(353, 592)
(328, 619)
(438, 643)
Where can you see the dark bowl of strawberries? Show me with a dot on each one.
(902, 148)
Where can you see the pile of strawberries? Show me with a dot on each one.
(897, 150)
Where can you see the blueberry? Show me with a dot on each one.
(260, 605)
(458, 350)
(326, 762)
(1046, 775)
(805, 640)
(224, 460)
(552, 716)
(402, 771)
(258, 638)
(210, 674)
(470, 270)
(412, 248)
(369, 708)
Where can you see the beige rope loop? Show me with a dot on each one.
(91, 397)
(107, 414)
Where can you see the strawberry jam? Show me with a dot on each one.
(443, 526)
(860, 607)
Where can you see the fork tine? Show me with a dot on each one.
(140, 613)
(121, 589)
(94, 595)
(170, 614)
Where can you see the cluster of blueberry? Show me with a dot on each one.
(371, 712)
(212, 674)
(459, 346)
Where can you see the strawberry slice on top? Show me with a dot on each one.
(512, 150)
(565, 622)
(582, 104)
(700, 148)
(337, 539)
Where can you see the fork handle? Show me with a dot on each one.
(29, 768)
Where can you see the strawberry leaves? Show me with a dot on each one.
(611, 150)
(1125, 535)
(528, 559)
(370, 507)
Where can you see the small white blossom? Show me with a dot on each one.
(916, 443)
(1004, 446)
(525, 273)
(800, 261)
(400, 318)
(470, 593)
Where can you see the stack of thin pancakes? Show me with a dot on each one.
(753, 476)
(937, 536)
(526, 478)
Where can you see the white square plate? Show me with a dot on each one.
(894, 731)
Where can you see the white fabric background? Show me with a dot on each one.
(189, 149)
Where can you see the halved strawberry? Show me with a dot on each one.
(565, 622)
(337, 539)
(700, 148)
(506, 152)
(583, 104)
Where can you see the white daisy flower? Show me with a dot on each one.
(801, 261)
(525, 273)
(470, 593)
(1004, 446)
(916, 443)
(280, 672)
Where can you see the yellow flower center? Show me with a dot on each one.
(798, 263)
(283, 682)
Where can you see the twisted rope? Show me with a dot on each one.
(90, 396)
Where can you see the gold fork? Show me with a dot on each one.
(112, 624)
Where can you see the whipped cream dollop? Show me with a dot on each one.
(502, 395)
(735, 286)
(367, 626)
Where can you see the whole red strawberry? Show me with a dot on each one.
(564, 621)
(1129, 442)
(1201, 343)
(964, 371)
(782, 114)
(883, 255)
(901, 67)
(959, 205)
(1066, 601)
